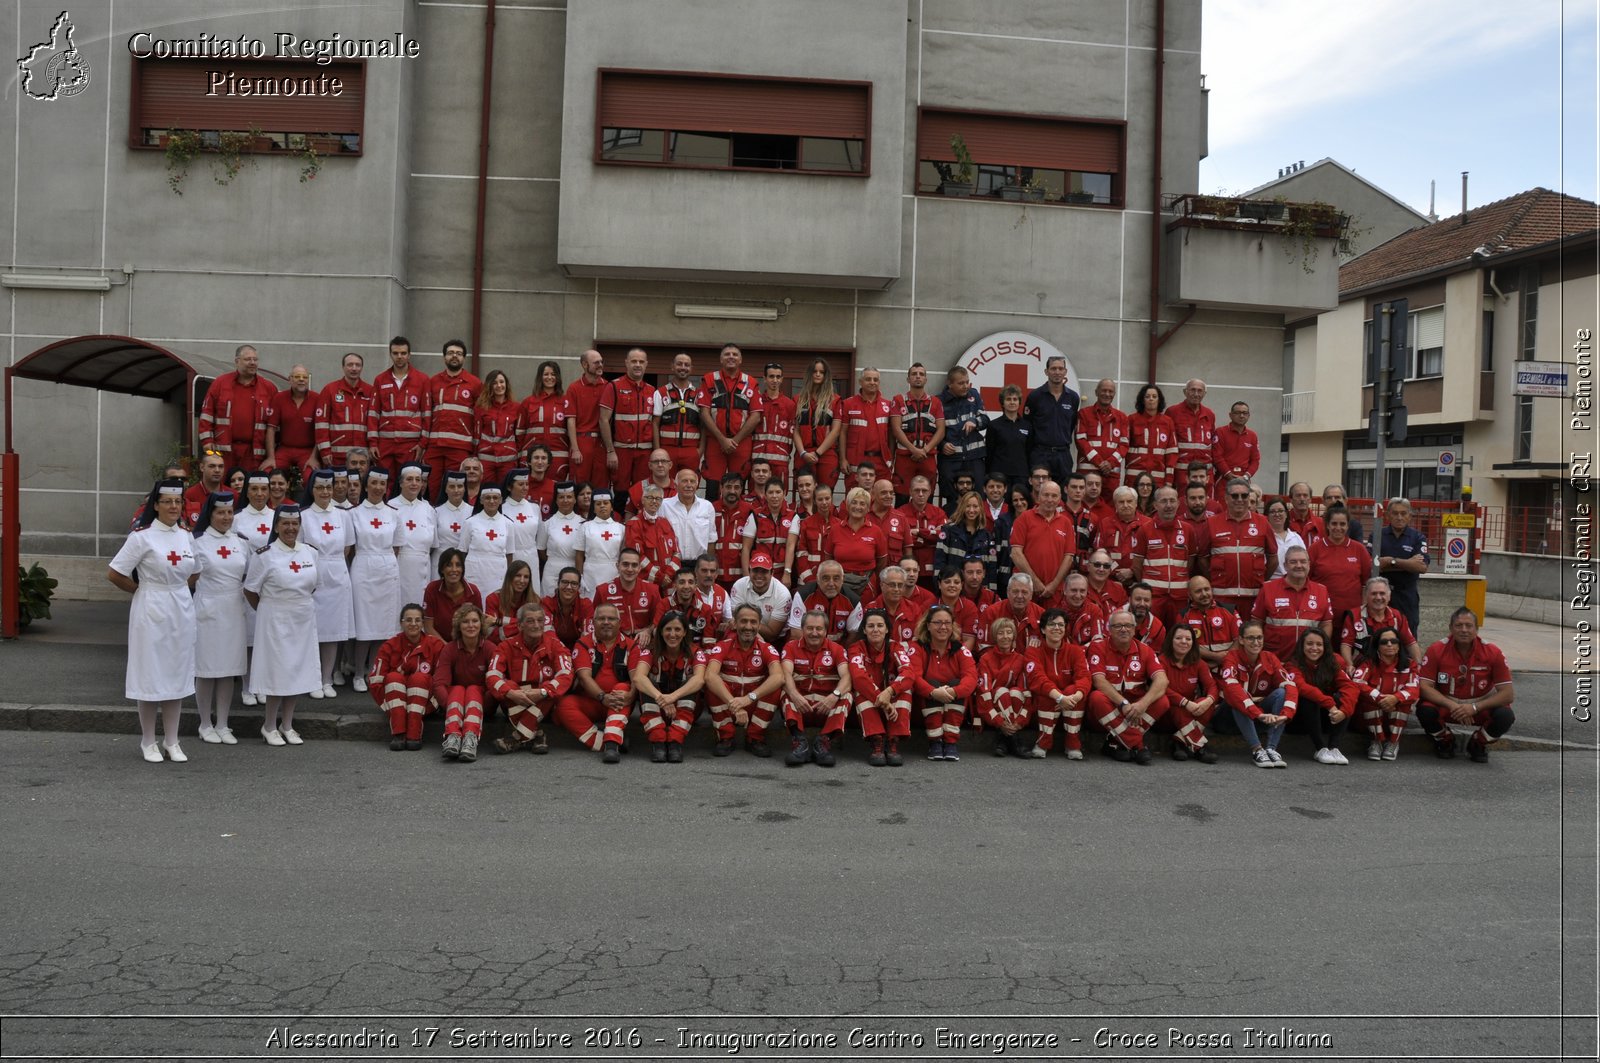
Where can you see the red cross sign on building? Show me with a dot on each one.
(1002, 359)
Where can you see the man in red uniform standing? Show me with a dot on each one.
(1465, 680)
(1196, 425)
(1123, 536)
(451, 397)
(866, 426)
(400, 404)
(233, 415)
(731, 513)
(627, 428)
(1292, 603)
(677, 409)
(915, 529)
(1169, 555)
(588, 461)
(1240, 550)
(1236, 452)
(730, 413)
(291, 425)
(1043, 544)
(916, 421)
(774, 438)
(344, 414)
(1102, 437)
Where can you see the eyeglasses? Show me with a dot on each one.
(1388, 642)
(1235, 494)
(1251, 638)
(1099, 564)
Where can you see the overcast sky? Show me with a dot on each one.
(1404, 93)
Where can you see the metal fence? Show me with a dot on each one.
(1542, 530)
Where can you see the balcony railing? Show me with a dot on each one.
(1299, 407)
(1307, 221)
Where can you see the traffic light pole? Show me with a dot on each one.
(1380, 415)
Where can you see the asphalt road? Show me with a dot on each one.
(339, 887)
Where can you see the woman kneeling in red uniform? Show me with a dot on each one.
(943, 676)
(669, 676)
(1388, 679)
(881, 684)
(1058, 678)
(402, 678)
(1192, 693)
(1003, 700)
(460, 683)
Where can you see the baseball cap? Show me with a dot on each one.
(761, 561)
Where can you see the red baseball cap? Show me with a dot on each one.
(761, 561)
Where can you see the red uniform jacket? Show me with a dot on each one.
(730, 524)
(871, 672)
(1064, 668)
(345, 419)
(632, 409)
(451, 415)
(1378, 680)
(1240, 553)
(954, 668)
(1465, 678)
(1169, 551)
(1197, 432)
(401, 410)
(774, 436)
(919, 419)
(410, 659)
(678, 424)
(917, 531)
(1131, 672)
(547, 665)
(235, 414)
(1241, 680)
(1029, 633)
(815, 672)
(866, 429)
(1152, 446)
(703, 619)
(1235, 453)
(1214, 627)
(607, 665)
(1102, 437)
(1287, 612)
(1189, 682)
(569, 627)
(637, 606)
(542, 419)
(458, 668)
(1346, 691)
(494, 432)
(657, 544)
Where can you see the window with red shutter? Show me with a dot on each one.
(289, 104)
(729, 121)
(1016, 156)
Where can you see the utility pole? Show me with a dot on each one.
(1388, 412)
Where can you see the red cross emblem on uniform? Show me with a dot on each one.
(376, 523)
(262, 528)
(174, 557)
(411, 525)
(607, 536)
(295, 567)
(566, 529)
(327, 529)
(491, 535)
(522, 518)
(223, 552)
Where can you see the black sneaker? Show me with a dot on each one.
(1478, 751)
(397, 743)
(1003, 746)
(611, 753)
(1141, 756)
(891, 755)
(1022, 744)
(936, 750)
(658, 752)
(822, 752)
(757, 747)
(1179, 750)
(539, 743)
(723, 748)
(674, 753)
(876, 758)
(1118, 752)
(413, 745)
(1205, 756)
(950, 751)
(1445, 750)
(799, 751)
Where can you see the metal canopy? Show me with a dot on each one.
(122, 364)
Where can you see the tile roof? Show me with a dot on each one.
(1516, 223)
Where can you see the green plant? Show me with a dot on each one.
(966, 170)
(183, 146)
(175, 455)
(35, 588)
(1308, 223)
(311, 162)
(231, 148)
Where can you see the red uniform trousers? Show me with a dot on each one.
(874, 721)
(393, 455)
(826, 470)
(1188, 727)
(633, 465)
(1007, 704)
(831, 722)
(407, 699)
(588, 720)
(658, 727)
(445, 459)
(761, 712)
(719, 464)
(905, 467)
(682, 458)
(290, 457)
(592, 469)
(243, 455)
(1107, 717)
(463, 711)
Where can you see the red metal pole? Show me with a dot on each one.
(10, 527)
(483, 185)
(1159, 99)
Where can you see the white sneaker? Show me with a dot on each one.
(359, 684)
(1391, 750)
(246, 698)
(273, 737)
(1074, 754)
(1037, 753)
(1324, 756)
(225, 736)
(316, 692)
(1336, 757)
(152, 752)
(338, 677)
(208, 734)
(1374, 750)
(1262, 758)
(291, 736)
(329, 692)
(175, 753)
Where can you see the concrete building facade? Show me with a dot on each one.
(839, 228)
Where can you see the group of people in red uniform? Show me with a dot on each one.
(1083, 568)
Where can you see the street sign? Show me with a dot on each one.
(1447, 463)
(1457, 543)
(1458, 520)
(1548, 379)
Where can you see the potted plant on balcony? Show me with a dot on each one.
(1305, 225)
(182, 147)
(231, 148)
(960, 179)
(35, 588)
(1261, 209)
(1028, 189)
